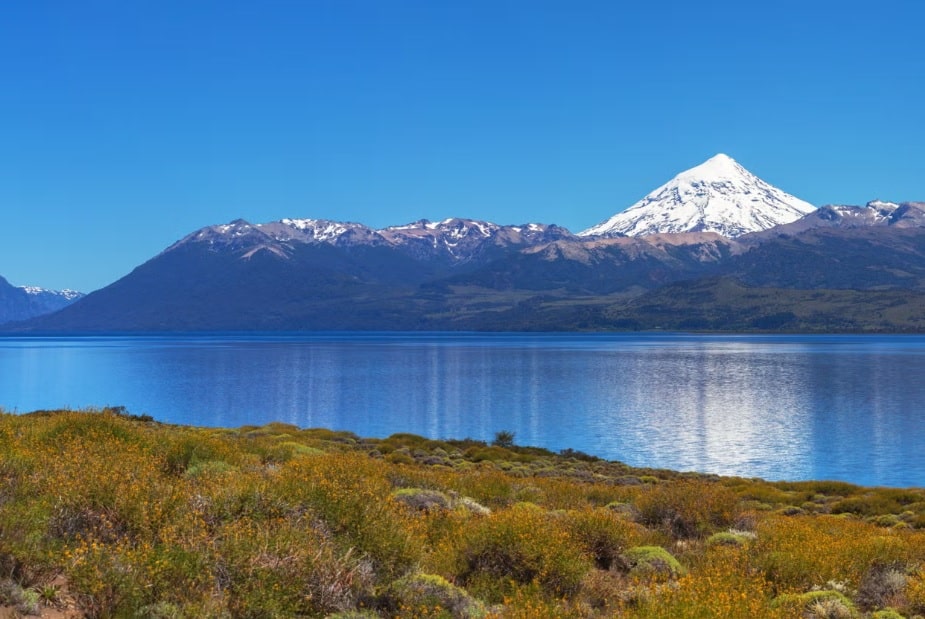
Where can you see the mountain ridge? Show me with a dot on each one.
(462, 274)
(453, 240)
(471, 275)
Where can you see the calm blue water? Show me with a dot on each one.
(778, 407)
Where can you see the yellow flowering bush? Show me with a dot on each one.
(125, 517)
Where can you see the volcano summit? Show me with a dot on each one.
(719, 195)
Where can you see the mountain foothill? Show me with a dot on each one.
(716, 248)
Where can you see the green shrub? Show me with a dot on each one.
(768, 494)
(398, 457)
(188, 450)
(601, 534)
(421, 499)
(24, 601)
(429, 595)
(819, 604)
(491, 488)
(209, 468)
(730, 538)
(159, 610)
(651, 561)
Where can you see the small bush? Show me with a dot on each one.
(651, 561)
(521, 545)
(882, 585)
(887, 520)
(730, 538)
(209, 468)
(578, 455)
(688, 508)
(604, 591)
(831, 608)
(601, 534)
(159, 610)
(350, 495)
(722, 586)
(504, 439)
(298, 449)
(420, 499)
(187, 451)
(820, 604)
(490, 453)
(870, 504)
(471, 506)
(285, 569)
(96, 426)
(25, 601)
(398, 457)
(915, 592)
(429, 595)
(805, 551)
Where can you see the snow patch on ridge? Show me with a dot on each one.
(66, 294)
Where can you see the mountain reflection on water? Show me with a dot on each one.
(778, 407)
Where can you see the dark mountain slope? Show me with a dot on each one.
(603, 266)
(860, 258)
(724, 304)
(194, 288)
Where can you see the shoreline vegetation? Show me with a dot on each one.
(108, 514)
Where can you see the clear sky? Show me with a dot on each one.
(126, 125)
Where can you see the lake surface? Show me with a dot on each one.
(777, 407)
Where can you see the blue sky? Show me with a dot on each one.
(126, 125)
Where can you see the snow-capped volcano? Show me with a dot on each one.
(719, 195)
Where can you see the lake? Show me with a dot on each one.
(777, 407)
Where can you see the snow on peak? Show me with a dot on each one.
(719, 195)
(66, 294)
(318, 229)
(456, 239)
(454, 226)
(718, 166)
(69, 294)
(883, 205)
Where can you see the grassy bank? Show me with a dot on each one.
(115, 515)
